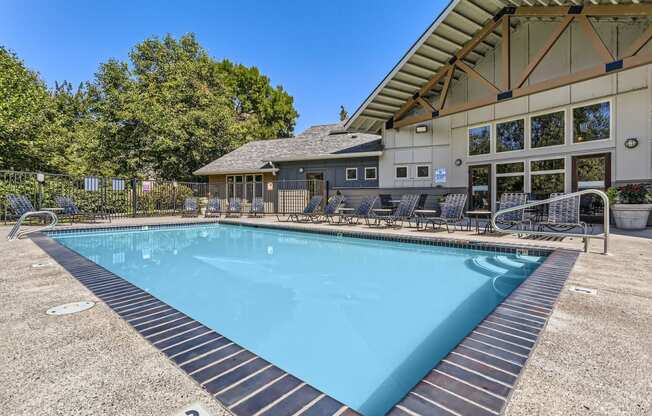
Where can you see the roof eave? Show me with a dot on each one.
(207, 172)
(356, 155)
(406, 57)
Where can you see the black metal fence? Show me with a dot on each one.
(128, 197)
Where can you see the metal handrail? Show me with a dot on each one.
(586, 237)
(15, 231)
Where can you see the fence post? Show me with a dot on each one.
(327, 189)
(134, 197)
(40, 178)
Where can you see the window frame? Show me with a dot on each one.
(468, 140)
(544, 113)
(423, 177)
(497, 175)
(587, 104)
(407, 172)
(509, 120)
(346, 174)
(532, 173)
(375, 169)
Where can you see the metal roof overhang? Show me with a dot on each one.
(451, 30)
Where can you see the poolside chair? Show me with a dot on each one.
(330, 210)
(564, 215)
(235, 208)
(452, 213)
(311, 208)
(190, 208)
(24, 209)
(513, 218)
(213, 208)
(71, 210)
(386, 201)
(403, 212)
(257, 207)
(363, 211)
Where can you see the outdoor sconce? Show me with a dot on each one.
(300, 170)
(175, 184)
(40, 177)
(458, 162)
(631, 143)
(422, 129)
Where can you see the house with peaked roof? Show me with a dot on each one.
(535, 97)
(324, 153)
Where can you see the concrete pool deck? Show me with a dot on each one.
(593, 358)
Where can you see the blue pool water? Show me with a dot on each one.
(361, 320)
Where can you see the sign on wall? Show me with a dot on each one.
(440, 175)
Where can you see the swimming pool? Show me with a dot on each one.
(362, 320)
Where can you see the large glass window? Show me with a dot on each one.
(479, 140)
(546, 177)
(592, 122)
(510, 135)
(245, 187)
(547, 129)
(510, 177)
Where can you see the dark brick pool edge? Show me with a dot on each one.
(476, 378)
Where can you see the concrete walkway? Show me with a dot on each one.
(594, 358)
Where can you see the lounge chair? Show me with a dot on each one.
(213, 208)
(513, 218)
(24, 209)
(311, 208)
(564, 215)
(403, 212)
(257, 207)
(452, 213)
(363, 211)
(235, 208)
(330, 210)
(190, 208)
(70, 209)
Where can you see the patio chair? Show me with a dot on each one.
(403, 212)
(452, 213)
(386, 201)
(213, 208)
(257, 207)
(235, 208)
(330, 210)
(363, 211)
(71, 210)
(513, 218)
(311, 208)
(564, 215)
(190, 207)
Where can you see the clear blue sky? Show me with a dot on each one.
(324, 53)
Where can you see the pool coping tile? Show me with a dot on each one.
(483, 368)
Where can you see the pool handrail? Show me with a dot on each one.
(585, 236)
(15, 233)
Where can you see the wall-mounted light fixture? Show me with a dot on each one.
(300, 170)
(631, 143)
(422, 129)
(458, 162)
(40, 177)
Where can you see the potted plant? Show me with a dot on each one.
(631, 205)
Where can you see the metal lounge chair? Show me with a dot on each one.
(564, 215)
(403, 212)
(190, 208)
(213, 208)
(257, 207)
(71, 210)
(363, 211)
(330, 210)
(24, 209)
(513, 218)
(235, 208)
(452, 213)
(311, 208)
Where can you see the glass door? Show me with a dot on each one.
(480, 188)
(591, 172)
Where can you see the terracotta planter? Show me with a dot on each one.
(631, 216)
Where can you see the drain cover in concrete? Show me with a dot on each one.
(583, 290)
(69, 308)
(195, 409)
(41, 264)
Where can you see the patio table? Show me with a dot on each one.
(477, 214)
